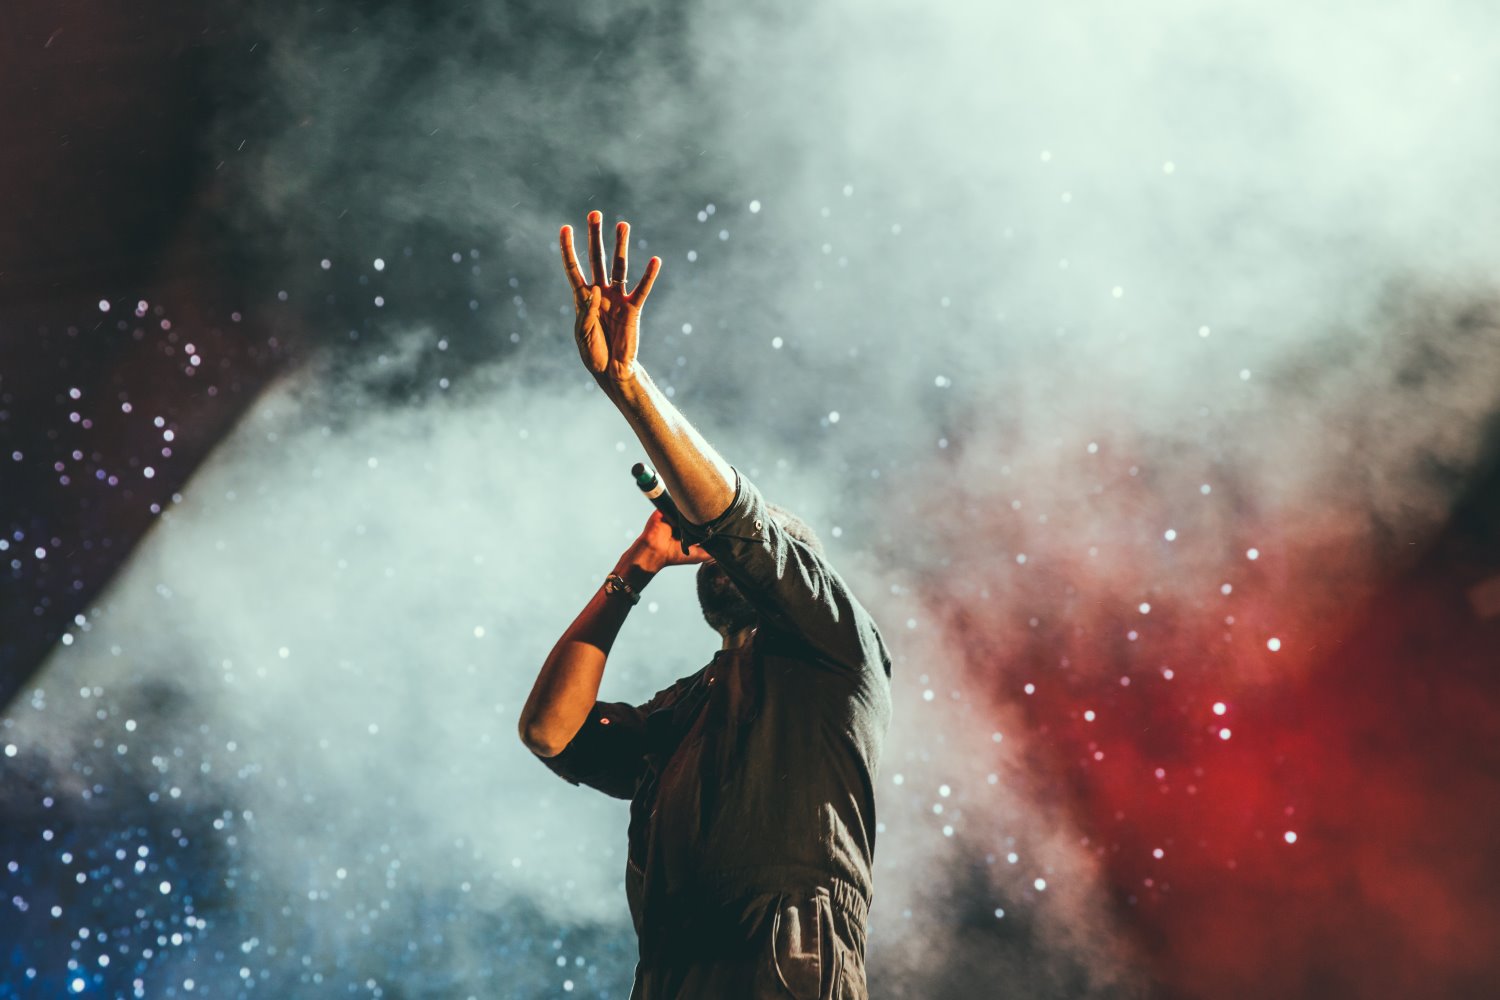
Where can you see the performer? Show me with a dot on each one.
(752, 781)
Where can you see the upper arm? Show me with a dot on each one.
(607, 753)
(792, 586)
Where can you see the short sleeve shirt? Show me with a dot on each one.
(757, 772)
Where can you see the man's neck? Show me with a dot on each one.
(740, 638)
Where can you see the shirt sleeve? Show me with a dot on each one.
(793, 587)
(608, 753)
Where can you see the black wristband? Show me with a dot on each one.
(615, 584)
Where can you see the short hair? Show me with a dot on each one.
(796, 527)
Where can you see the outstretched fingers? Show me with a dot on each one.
(619, 264)
(642, 290)
(570, 259)
(622, 248)
(596, 246)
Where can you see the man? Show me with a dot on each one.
(752, 782)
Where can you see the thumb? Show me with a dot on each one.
(588, 318)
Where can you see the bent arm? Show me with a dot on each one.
(568, 684)
(791, 583)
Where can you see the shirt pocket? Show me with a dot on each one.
(802, 951)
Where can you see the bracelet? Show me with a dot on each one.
(615, 584)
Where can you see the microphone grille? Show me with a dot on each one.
(645, 476)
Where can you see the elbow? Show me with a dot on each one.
(538, 740)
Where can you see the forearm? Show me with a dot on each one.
(568, 684)
(699, 479)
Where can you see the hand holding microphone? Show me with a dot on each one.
(661, 539)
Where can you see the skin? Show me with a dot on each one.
(606, 330)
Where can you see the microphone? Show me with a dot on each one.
(656, 491)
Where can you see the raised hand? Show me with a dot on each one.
(607, 319)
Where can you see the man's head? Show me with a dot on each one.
(724, 608)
